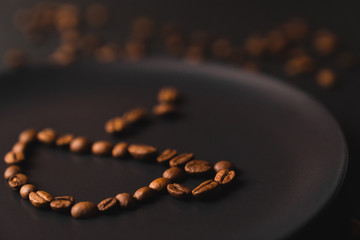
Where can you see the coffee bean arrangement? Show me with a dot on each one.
(217, 177)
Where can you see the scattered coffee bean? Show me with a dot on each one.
(125, 200)
(164, 109)
(166, 155)
(40, 199)
(96, 15)
(108, 53)
(14, 157)
(14, 58)
(205, 189)
(296, 29)
(299, 65)
(136, 115)
(17, 180)
(174, 174)
(142, 28)
(64, 140)
(62, 203)
(120, 150)
(159, 184)
(175, 45)
(135, 50)
(84, 210)
(11, 170)
(80, 145)
(26, 189)
(142, 151)
(168, 95)
(47, 136)
(102, 148)
(225, 176)
(144, 194)
(255, 45)
(198, 167)
(325, 78)
(108, 205)
(325, 42)
(181, 159)
(116, 125)
(221, 165)
(221, 49)
(28, 135)
(178, 191)
(19, 147)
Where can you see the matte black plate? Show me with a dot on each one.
(291, 152)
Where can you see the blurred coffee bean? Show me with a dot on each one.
(255, 45)
(14, 157)
(325, 42)
(14, 58)
(116, 125)
(84, 210)
(325, 78)
(276, 41)
(299, 65)
(96, 15)
(102, 148)
(175, 44)
(11, 170)
(80, 145)
(108, 53)
(120, 150)
(28, 136)
(62, 203)
(164, 110)
(135, 115)
(142, 152)
(166, 155)
(88, 44)
(26, 189)
(17, 180)
(19, 147)
(296, 29)
(64, 140)
(142, 28)
(194, 54)
(47, 136)
(221, 49)
(135, 50)
(67, 17)
(168, 95)
(178, 191)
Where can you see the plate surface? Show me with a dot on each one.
(291, 152)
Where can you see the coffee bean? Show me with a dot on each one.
(14, 58)
(178, 191)
(135, 115)
(26, 189)
(159, 184)
(225, 176)
(168, 95)
(28, 135)
(166, 155)
(120, 150)
(142, 151)
(80, 145)
(17, 180)
(198, 167)
(47, 136)
(164, 110)
(135, 50)
(325, 42)
(11, 170)
(96, 15)
(144, 194)
(19, 147)
(326, 78)
(181, 159)
(84, 210)
(64, 140)
(116, 125)
(174, 174)
(62, 203)
(205, 189)
(102, 148)
(14, 157)
(108, 205)
(40, 199)
(125, 200)
(223, 165)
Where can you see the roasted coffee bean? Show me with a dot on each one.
(174, 174)
(116, 125)
(144, 194)
(19, 147)
(84, 210)
(62, 203)
(325, 42)
(168, 95)
(326, 78)
(64, 140)
(181, 159)
(96, 15)
(108, 53)
(224, 165)
(120, 150)
(166, 155)
(225, 176)
(142, 151)
(26, 189)
(17, 180)
(159, 184)
(135, 50)
(178, 191)
(125, 200)
(205, 189)
(80, 145)
(108, 205)
(164, 110)
(198, 167)
(40, 199)
(47, 136)
(14, 58)
(28, 135)
(135, 115)
(11, 170)
(102, 148)
(14, 157)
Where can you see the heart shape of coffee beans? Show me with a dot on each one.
(180, 164)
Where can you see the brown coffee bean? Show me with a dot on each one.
(178, 191)
(11, 170)
(325, 42)
(64, 140)
(19, 147)
(325, 78)
(28, 135)
(175, 44)
(224, 165)
(298, 65)
(17, 180)
(166, 155)
(80, 145)
(40, 199)
(174, 174)
(102, 148)
(181, 159)
(168, 95)
(26, 189)
(14, 58)
(159, 184)
(108, 205)
(198, 167)
(164, 109)
(84, 210)
(108, 53)
(142, 28)
(296, 29)
(221, 49)
(135, 50)
(120, 150)
(96, 15)
(47, 136)
(62, 203)
(116, 125)
(144, 194)
(142, 151)
(136, 115)
(14, 157)
(205, 189)
(255, 45)
(225, 176)
(125, 200)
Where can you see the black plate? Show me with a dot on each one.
(291, 152)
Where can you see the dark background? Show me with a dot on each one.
(236, 20)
